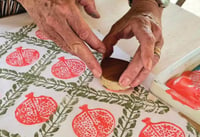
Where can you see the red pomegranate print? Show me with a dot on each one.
(68, 68)
(161, 129)
(22, 57)
(41, 35)
(35, 110)
(93, 122)
(186, 88)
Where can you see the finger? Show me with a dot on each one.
(147, 42)
(145, 72)
(78, 48)
(132, 71)
(75, 46)
(141, 77)
(81, 28)
(126, 33)
(157, 32)
(109, 41)
(113, 36)
(83, 52)
(90, 8)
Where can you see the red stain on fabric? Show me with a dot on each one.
(22, 57)
(186, 88)
(35, 110)
(68, 68)
(41, 35)
(96, 122)
(161, 129)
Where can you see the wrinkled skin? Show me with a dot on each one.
(143, 21)
(61, 21)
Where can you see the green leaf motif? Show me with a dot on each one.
(192, 130)
(100, 95)
(53, 124)
(129, 133)
(42, 43)
(4, 133)
(10, 75)
(127, 122)
(11, 96)
(4, 48)
(57, 85)
(14, 38)
(43, 63)
(36, 134)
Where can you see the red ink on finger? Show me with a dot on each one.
(22, 57)
(186, 88)
(41, 35)
(96, 122)
(161, 129)
(68, 68)
(35, 110)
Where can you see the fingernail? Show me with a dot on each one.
(125, 82)
(95, 15)
(96, 73)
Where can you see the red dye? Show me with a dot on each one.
(41, 35)
(93, 122)
(186, 88)
(22, 57)
(35, 110)
(68, 68)
(160, 129)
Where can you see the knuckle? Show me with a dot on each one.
(83, 34)
(86, 2)
(115, 26)
(157, 30)
(67, 48)
(146, 72)
(140, 21)
(50, 21)
(150, 38)
(74, 48)
(135, 70)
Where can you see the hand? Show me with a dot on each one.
(61, 21)
(143, 21)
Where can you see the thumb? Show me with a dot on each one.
(90, 8)
(109, 41)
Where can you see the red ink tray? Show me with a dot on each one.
(182, 100)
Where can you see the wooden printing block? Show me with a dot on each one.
(112, 69)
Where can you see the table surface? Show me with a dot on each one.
(125, 110)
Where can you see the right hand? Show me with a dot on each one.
(61, 21)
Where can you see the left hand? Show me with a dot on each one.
(143, 21)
